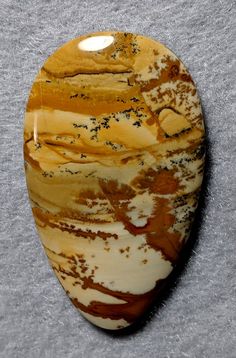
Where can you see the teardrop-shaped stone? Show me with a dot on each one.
(114, 159)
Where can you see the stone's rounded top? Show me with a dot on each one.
(101, 51)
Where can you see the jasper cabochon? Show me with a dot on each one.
(114, 157)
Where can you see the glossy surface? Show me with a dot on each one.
(114, 163)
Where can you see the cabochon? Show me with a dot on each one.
(114, 157)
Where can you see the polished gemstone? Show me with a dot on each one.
(114, 156)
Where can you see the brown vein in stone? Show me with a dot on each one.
(158, 226)
(158, 182)
(129, 311)
(135, 305)
(169, 74)
(99, 71)
(46, 219)
(88, 218)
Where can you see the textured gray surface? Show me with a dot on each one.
(198, 318)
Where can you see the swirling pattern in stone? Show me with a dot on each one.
(114, 157)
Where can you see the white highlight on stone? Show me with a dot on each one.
(95, 43)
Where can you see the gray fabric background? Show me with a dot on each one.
(197, 318)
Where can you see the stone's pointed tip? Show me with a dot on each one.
(114, 152)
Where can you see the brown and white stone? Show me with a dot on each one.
(114, 156)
